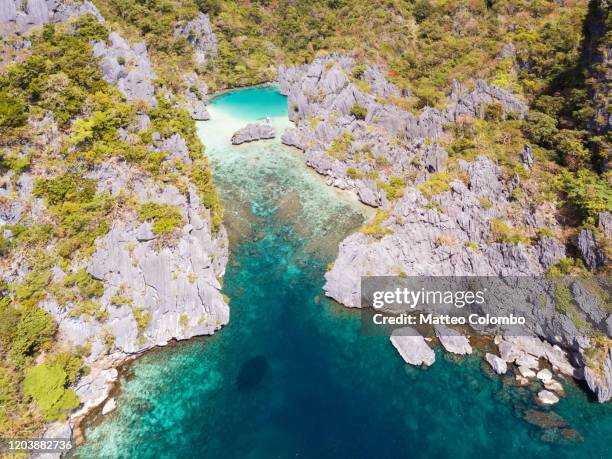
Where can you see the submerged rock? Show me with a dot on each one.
(252, 132)
(555, 386)
(544, 419)
(412, 347)
(546, 397)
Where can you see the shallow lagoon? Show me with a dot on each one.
(291, 376)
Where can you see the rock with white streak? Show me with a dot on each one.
(109, 406)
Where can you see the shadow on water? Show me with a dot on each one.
(251, 373)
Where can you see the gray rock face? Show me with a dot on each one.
(128, 67)
(600, 380)
(453, 341)
(499, 365)
(448, 234)
(519, 348)
(526, 156)
(252, 132)
(473, 103)
(592, 254)
(412, 347)
(200, 36)
(18, 16)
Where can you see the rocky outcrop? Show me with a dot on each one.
(199, 34)
(157, 287)
(128, 67)
(195, 97)
(351, 134)
(498, 364)
(591, 243)
(599, 379)
(412, 347)
(453, 341)
(17, 16)
(252, 132)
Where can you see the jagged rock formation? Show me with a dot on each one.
(128, 67)
(157, 287)
(451, 231)
(600, 379)
(175, 283)
(18, 16)
(252, 132)
(593, 251)
(200, 36)
(195, 97)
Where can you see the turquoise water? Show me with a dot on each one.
(290, 376)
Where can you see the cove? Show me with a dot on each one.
(291, 376)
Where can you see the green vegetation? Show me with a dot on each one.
(47, 386)
(394, 189)
(359, 112)
(353, 173)
(585, 191)
(340, 145)
(502, 232)
(544, 232)
(438, 183)
(166, 218)
(60, 75)
(374, 227)
(142, 318)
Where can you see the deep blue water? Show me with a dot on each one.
(290, 376)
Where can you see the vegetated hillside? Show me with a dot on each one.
(552, 54)
(77, 159)
(545, 51)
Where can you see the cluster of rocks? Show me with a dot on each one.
(18, 16)
(252, 132)
(447, 234)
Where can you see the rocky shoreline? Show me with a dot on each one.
(157, 288)
(393, 161)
